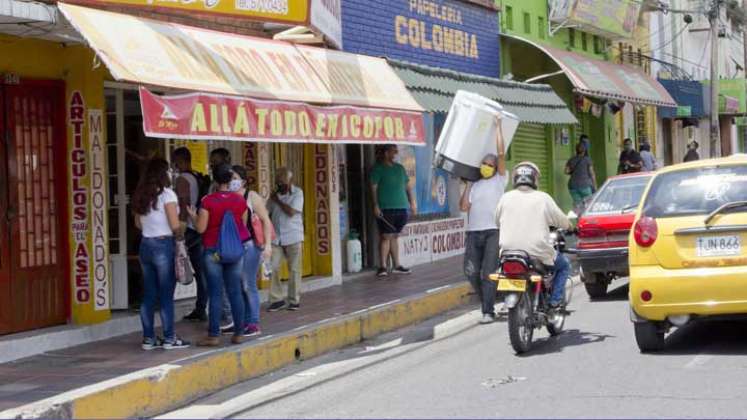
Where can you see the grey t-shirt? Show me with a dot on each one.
(580, 172)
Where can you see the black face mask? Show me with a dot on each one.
(282, 188)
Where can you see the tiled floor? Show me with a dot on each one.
(35, 378)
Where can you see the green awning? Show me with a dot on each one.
(434, 90)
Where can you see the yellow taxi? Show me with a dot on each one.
(688, 247)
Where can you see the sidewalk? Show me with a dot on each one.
(115, 378)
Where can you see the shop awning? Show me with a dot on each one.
(689, 95)
(434, 89)
(221, 69)
(602, 79)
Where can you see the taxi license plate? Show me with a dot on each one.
(718, 246)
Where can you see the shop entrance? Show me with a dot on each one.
(33, 274)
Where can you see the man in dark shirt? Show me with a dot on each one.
(630, 160)
(692, 152)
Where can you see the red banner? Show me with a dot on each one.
(209, 116)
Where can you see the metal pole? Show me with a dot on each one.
(715, 131)
(744, 42)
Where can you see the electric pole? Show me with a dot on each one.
(713, 18)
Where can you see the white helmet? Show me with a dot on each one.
(526, 173)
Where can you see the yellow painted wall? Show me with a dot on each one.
(75, 65)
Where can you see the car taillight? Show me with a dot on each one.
(646, 231)
(514, 268)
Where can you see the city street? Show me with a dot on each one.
(451, 367)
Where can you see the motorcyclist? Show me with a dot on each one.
(524, 217)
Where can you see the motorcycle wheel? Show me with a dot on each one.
(520, 325)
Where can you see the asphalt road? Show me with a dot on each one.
(450, 367)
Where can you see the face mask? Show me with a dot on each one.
(487, 171)
(628, 147)
(235, 185)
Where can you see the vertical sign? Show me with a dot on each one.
(322, 187)
(98, 210)
(251, 164)
(79, 211)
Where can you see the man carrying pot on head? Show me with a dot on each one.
(479, 200)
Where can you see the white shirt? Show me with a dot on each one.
(289, 229)
(524, 217)
(194, 193)
(483, 199)
(155, 223)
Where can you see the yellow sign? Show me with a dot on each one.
(286, 11)
(199, 152)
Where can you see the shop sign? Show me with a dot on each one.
(441, 33)
(326, 17)
(99, 217)
(284, 11)
(219, 117)
(425, 242)
(684, 111)
(79, 203)
(321, 198)
(156, 53)
(615, 19)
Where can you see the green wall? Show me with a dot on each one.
(524, 61)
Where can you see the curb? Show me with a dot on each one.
(152, 391)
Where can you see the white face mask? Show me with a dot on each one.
(235, 185)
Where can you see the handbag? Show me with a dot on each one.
(255, 225)
(183, 266)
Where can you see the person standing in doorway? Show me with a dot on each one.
(156, 212)
(583, 181)
(218, 157)
(286, 211)
(630, 160)
(648, 160)
(479, 200)
(692, 152)
(187, 190)
(392, 196)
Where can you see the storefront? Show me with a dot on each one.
(457, 35)
(690, 121)
(732, 106)
(76, 244)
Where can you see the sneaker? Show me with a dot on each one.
(151, 343)
(196, 316)
(487, 319)
(294, 307)
(251, 330)
(402, 270)
(227, 329)
(381, 272)
(502, 309)
(176, 343)
(274, 307)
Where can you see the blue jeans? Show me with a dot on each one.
(159, 282)
(249, 291)
(220, 276)
(194, 249)
(561, 275)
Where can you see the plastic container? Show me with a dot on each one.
(354, 253)
(469, 134)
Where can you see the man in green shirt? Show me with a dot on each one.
(392, 196)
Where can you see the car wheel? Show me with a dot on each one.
(649, 336)
(597, 289)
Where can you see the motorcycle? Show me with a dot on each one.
(528, 286)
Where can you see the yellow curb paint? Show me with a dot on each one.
(143, 397)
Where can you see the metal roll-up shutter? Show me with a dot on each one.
(530, 143)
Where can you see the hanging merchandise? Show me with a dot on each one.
(596, 110)
(587, 105)
(469, 134)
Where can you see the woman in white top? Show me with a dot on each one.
(155, 208)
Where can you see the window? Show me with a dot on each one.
(584, 45)
(541, 28)
(527, 23)
(572, 38)
(598, 49)
(509, 17)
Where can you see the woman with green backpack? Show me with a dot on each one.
(222, 222)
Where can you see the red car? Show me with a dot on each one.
(603, 231)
